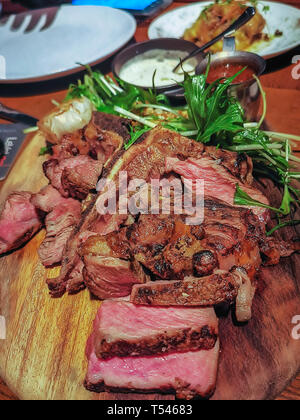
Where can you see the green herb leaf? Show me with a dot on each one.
(241, 198)
(135, 135)
(47, 150)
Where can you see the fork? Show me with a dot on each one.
(29, 21)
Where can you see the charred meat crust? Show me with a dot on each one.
(58, 286)
(205, 291)
(113, 123)
(203, 338)
(182, 392)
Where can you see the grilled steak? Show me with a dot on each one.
(123, 329)
(105, 135)
(189, 375)
(78, 182)
(229, 237)
(19, 221)
(73, 177)
(171, 249)
(147, 159)
(218, 182)
(206, 291)
(63, 215)
(109, 277)
(97, 138)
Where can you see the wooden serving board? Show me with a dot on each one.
(43, 354)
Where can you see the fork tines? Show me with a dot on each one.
(27, 22)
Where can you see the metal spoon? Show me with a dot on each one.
(242, 20)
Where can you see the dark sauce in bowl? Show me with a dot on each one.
(228, 70)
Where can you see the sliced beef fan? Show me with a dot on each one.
(19, 221)
(123, 329)
(63, 215)
(103, 143)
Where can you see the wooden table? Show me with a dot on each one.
(283, 115)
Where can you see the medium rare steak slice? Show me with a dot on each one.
(205, 291)
(109, 277)
(123, 329)
(73, 177)
(63, 215)
(71, 276)
(218, 182)
(78, 182)
(146, 159)
(188, 375)
(19, 221)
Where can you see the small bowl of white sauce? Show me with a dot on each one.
(152, 62)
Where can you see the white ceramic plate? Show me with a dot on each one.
(79, 34)
(280, 17)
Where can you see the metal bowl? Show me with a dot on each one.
(247, 93)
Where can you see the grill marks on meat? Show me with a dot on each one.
(63, 215)
(73, 177)
(123, 329)
(219, 183)
(203, 258)
(105, 135)
(146, 160)
(103, 138)
(19, 221)
(206, 291)
(71, 278)
(188, 375)
(170, 249)
(146, 350)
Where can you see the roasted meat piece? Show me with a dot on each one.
(206, 291)
(63, 215)
(109, 277)
(219, 183)
(73, 177)
(19, 221)
(188, 374)
(123, 329)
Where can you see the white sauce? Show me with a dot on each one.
(140, 70)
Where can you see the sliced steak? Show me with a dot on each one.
(71, 276)
(123, 329)
(19, 221)
(109, 277)
(206, 291)
(63, 215)
(73, 177)
(188, 375)
(78, 182)
(218, 182)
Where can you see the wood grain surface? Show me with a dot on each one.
(43, 354)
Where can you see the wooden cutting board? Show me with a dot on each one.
(43, 354)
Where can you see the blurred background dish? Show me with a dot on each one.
(82, 34)
(280, 33)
